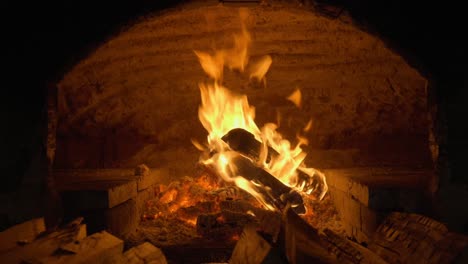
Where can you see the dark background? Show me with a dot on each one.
(45, 38)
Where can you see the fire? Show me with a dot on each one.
(222, 110)
(296, 98)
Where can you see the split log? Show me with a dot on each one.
(301, 242)
(45, 244)
(100, 247)
(298, 243)
(251, 248)
(21, 233)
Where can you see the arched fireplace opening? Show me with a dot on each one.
(121, 122)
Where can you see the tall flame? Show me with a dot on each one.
(222, 110)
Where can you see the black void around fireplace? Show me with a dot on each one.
(378, 100)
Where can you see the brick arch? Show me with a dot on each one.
(135, 98)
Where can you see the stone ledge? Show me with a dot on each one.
(98, 194)
(103, 188)
(364, 196)
(110, 199)
(378, 188)
(150, 179)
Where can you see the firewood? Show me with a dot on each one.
(144, 253)
(298, 243)
(100, 247)
(45, 243)
(347, 251)
(251, 248)
(413, 238)
(21, 233)
(301, 242)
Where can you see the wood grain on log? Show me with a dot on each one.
(347, 251)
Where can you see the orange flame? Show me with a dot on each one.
(221, 111)
(296, 98)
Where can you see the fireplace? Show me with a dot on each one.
(124, 128)
(368, 106)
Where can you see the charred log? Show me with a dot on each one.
(273, 190)
(268, 222)
(225, 225)
(244, 142)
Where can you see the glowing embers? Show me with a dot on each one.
(259, 161)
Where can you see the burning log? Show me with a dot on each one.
(244, 142)
(273, 190)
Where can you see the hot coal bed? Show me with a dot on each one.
(185, 137)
